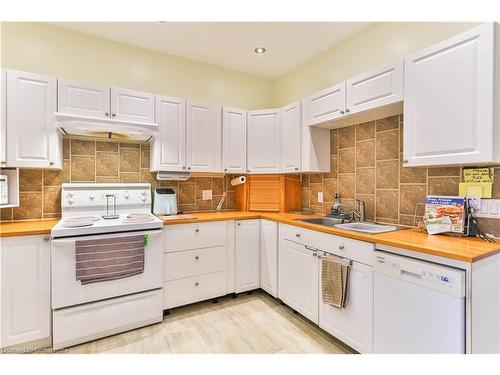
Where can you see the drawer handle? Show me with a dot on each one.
(196, 283)
(341, 247)
(297, 235)
(197, 257)
(197, 230)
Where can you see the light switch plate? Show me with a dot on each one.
(207, 195)
(320, 197)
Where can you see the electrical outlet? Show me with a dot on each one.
(207, 195)
(474, 203)
(320, 197)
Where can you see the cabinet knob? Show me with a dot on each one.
(196, 283)
(197, 230)
(225, 169)
(238, 224)
(189, 168)
(197, 257)
(315, 254)
(297, 235)
(113, 115)
(46, 239)
(341, 112)
(347, 110)
(296, 168)
(51, 163)
(106, 114)
(248, 170)
(341, 247)
(405, 161)
(183, 167)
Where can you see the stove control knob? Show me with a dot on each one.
(91, 196)
(70, 200)
(143, 198)
(126, 195)
(70, 194)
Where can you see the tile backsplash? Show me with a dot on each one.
(105, 161)
(366, 163)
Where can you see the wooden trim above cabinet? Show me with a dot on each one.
(271, 193)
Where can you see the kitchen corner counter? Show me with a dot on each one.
(463, 249)
(26, 227)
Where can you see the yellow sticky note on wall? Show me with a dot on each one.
(475, 189)
(478, 174)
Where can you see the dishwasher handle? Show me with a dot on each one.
(405, 271)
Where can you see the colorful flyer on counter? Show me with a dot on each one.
(444, 214)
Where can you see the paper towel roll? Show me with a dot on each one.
(238, 180)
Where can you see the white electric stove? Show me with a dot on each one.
(84, 312)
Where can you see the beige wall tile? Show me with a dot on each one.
(130, 145)
(315, 178)
(388, 174)
(149, 177)
(365, 154)
(217, 186)
(82, 169)
(388, 123)
(410, 196)
(52, 177)
(305, 197)
(412, 175)
(365, 181)
(334, 167)
(202, 184)
(230, 202)
(130, 177)
(329, 189)
(443, 185)
(187, 207)
(347, 185)
(202, 205)
(347, 160)
(187, 193)
(305, 180)
(66, 148)
(347, 137)
(369, 205)
(489, 225)
(496, 184)
(388, 145)
(365, 131)
(387, 202)
(30, 179)
(30, 206)
(130, 160)
(107, 180)
(6, 214)
(80, 147)
(334, 142)
(314, 189)
(52, 200)
(145, 151)
(317, 209)
(107, 164)
(444, 171)
(106, 146)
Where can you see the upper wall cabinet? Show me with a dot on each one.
(203, 137)
(264, 141)
(376, 88)
(449, 96)
(234, 140)
(326, 105)
(3, 118)
(168, 150)
(83, 99)
(291, 137)
(32, 138)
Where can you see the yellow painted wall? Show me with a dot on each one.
(375, 45)
(46, 49)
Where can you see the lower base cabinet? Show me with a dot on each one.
(353, 325)
(247, 255)
(298, 284)
(269, 257)
(25, 312)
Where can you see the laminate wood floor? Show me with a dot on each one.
(254, 323)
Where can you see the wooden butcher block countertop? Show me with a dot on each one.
(464, 249)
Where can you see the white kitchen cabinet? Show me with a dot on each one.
(3, 117)
(376, 88)
(168, 151)
(133, 106)
(291, 139)
(247, 255)
(353, 324)
(84, 99)
(325, 105)
(33, 140)
(449, 101)
(298, 278)
(269, 257)
(234, 140)
(203, 137)
(25, 291)
(264, 141)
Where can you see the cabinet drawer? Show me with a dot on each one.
(193, 289)
(346, 247)
(195, 236)
(194, 262)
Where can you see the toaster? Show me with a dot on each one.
(164, 201)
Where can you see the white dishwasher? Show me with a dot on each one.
(419, 307)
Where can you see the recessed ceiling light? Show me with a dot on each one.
(260, 50)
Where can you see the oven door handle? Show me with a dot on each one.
(61, 241)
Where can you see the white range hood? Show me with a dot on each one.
(86, 126)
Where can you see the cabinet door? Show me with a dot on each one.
(168, 152)
(264, 141)
(298, 274)
(353, 324)
(291, 138)
(79, 98)
(269, 256)
(3, 117)
(31, 135)
(25, 289)
(247, 255)
(448, 101)
(326, 105)
(234, 140)
(376, 88)
(203, 137)
(134, 106)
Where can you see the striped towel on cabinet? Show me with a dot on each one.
(109, 258)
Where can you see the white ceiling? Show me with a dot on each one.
(229, 45)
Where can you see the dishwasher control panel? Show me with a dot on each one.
(446, 279)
